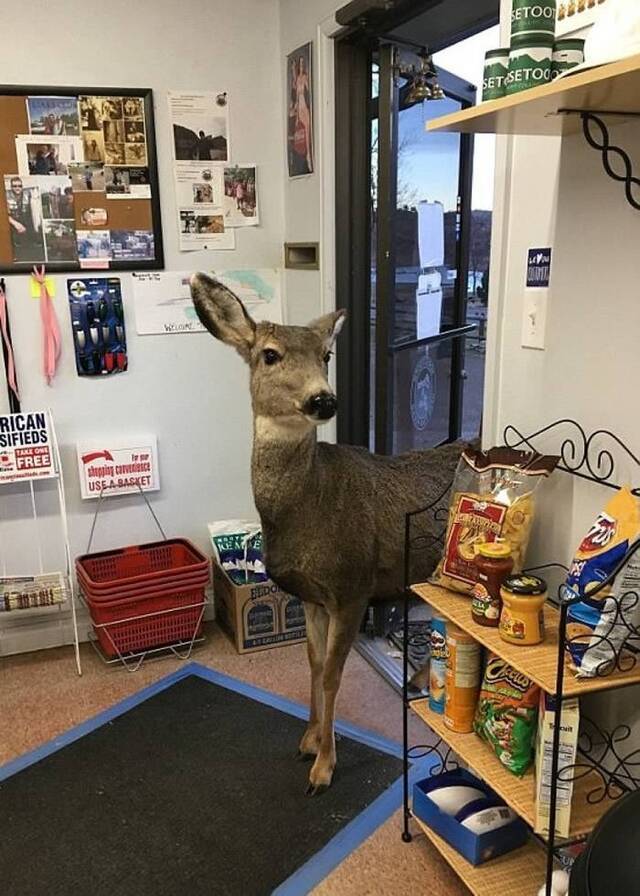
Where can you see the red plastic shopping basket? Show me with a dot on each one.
(134, 625)
(141, 565)
(144, 596)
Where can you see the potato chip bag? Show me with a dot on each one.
(606, 543)
(507, 714)
(598, 627)
(492, 498)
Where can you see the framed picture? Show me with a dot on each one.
(68, 159)
(300, 111)
(573, 15)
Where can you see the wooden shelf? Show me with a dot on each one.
(516, 792)
(612, 88)
(538, 662)
(519, 873)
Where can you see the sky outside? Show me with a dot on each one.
(428, 164)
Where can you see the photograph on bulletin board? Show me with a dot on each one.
(78, 180)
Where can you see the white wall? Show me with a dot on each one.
(187, 389)
(306, 290)
(555, 193)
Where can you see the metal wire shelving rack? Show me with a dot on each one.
(607, 764)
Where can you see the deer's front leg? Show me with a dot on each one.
(317, 620)
(343, 629)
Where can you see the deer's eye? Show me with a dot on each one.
(270, 356)
(327, 357)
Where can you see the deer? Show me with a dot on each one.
(332, 515)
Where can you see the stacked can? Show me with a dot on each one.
(438, 664)
(496, 69)
(567, 53)
(462, 683)
(533, 25)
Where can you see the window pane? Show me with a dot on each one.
(421, 396)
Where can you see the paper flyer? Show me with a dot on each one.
(162, 300)
(200, 123)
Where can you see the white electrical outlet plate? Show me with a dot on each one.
(534, 318)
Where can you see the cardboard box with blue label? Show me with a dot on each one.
(249, 605)
(257, 615)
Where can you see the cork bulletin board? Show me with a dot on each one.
(78, 180)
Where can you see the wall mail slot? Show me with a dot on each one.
(301, 256)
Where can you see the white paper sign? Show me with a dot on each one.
(163, 300)
(26, 447)
(118, 467)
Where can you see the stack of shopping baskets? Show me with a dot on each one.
(145, 596)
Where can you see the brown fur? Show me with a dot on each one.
(332, 515)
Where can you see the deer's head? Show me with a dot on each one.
(290, 391)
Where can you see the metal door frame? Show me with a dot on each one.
(388, 114)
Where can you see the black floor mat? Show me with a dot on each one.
(194, 791)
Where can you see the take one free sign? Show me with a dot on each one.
(26, 447)
(118, 468)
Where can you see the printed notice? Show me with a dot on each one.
(26, 449)
(118, 467)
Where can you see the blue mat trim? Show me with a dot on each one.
(337, 849)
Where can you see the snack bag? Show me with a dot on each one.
(237, 546)
(598, 627)
(492, 499)
(605, 544)
(507, 712)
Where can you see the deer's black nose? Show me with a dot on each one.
(322, 406)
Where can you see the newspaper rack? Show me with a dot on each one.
(68, 576)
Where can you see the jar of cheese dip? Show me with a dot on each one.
(522, 615)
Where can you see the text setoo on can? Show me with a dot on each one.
(529, 62)
(528, 16)
(496, 68)
(567, 53)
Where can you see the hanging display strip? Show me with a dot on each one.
(66, 157)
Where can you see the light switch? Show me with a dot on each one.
(534, 318)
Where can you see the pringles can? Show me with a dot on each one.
(567, 53)
(529, 62)
(533, 16)
(437, 664)
(462, 682)
(496, 69)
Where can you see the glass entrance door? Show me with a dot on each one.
(421, 185)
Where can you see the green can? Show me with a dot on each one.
(496, 69)
(567, 53)
(533, 16)
(529, 62)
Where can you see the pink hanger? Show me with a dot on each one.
(50, 328)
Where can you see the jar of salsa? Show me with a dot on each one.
(522, 616)
(493, 564)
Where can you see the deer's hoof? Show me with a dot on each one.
(316, 790)
(321, 774)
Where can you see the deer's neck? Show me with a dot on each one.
(282, 469)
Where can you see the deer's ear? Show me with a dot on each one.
(223, 314)
(329, 326)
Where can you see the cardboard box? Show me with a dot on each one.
(476, 848)
(569, 729)
(257, 615)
